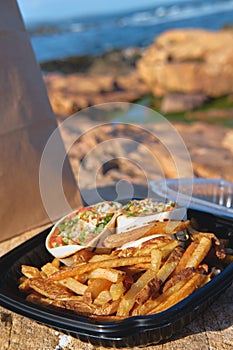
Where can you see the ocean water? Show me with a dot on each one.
(96, 35)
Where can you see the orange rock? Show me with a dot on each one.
(71, 93)
(189, 61)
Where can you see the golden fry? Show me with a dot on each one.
(56, 263)
(103, 298)
(168, 248)
(117, 290)
(189, 287)
(24, 284)
(156, 258)
(70, 283)
(195, 253)
(109, 308)
(200, 252)
(96, 286)
(49, 289)
(30, 271)
(108, 274)
(152, 288)
(129, 298)
(140, 280)
(100, 257)
(145, 308)
(74, 286)
(80, 269)
(170, 264)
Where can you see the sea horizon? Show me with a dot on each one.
(95, 35)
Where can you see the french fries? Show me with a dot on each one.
(111, 275)
(135, 281)
(110, 263)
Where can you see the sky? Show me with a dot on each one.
(55, 9)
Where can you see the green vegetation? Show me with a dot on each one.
(218, 111)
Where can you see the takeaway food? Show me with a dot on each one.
(141, 268)
(134, 281)
(80, 229)
(137, 213)
(131, 238)
(83, 225)
(90, 226)
(145, 207)
(144, 218)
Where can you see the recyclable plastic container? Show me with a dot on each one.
(133, 331)
(213, 196)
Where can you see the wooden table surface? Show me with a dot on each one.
(211, 330)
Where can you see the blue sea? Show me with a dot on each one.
(95, 35)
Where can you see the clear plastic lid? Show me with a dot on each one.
(209, 195)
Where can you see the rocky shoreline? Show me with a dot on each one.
(115, 62)
(187, 75)
(80, 82)
(183, 70)
(104, 154)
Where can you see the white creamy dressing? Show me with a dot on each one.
(124, 224)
